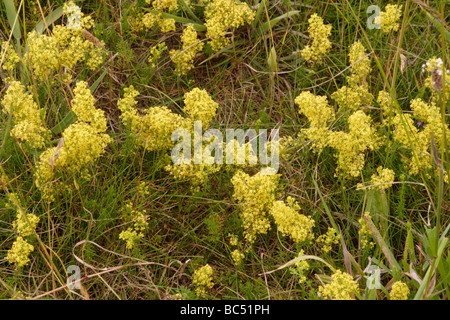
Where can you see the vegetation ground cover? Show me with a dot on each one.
(356, 208)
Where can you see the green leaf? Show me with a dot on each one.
(13, 18)
(49, 19)
(378, 207)
(393, 264)
(70, 118)
(272, 60)
(189, 11)
(424, 287)
(274, 21)
(97, 82)
(438, 25)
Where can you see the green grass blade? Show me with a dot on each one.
(70, 118)
(393, 264)
(13, 18)
(49, 19)
(197, 26)
(190, 12)
(438, 25)
(274, 21)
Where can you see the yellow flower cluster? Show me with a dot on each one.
(170, 5)
(139, 223)
(155, 53)
(199, 106)
(184, 58)
(300, 268)
(327, 240)
(319, 113)
(64, 48)
(82, 142)
(360, 68)
(10, 57)
(420, 141)
(165, 24)
(356, 94)
(291, 223)
(351, 146)
(389, 17)
(154, 129)
(28, 125)
(221, 15)
(384, 175)
(238, 257)
(352, 97)
(320, 43)
(24, 225)
(196, 174)
(19, 252)
(364, 232)
(202, 280)
(256, 195)
(341, 287)
(151, 19)
(385, 101)
(399, 291)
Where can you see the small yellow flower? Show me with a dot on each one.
(320, 45)
(399, 291)
(221, 15)
(237, 256)
(291, 223)
(19, 252)
(383, 175)
(256, 195)
(326, 241)
(202, 280)
(341, 287)
(365, 233)
(184, 58)
(389, 17)
(300, 268)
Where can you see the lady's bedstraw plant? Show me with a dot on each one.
(361, 136)
(151, 19)
(63, 49)
(220, 17)
(399, 291)
(24, 225)
(351, 145)
(83, 142)
(341, 287)
(418, 140)
(291, 223)
(138, 221)
(356, 94)
(28, 125)
(202, 280)
(319, 32)
(154, 130)
(388, 19)
(184, 58)
(256, 195)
